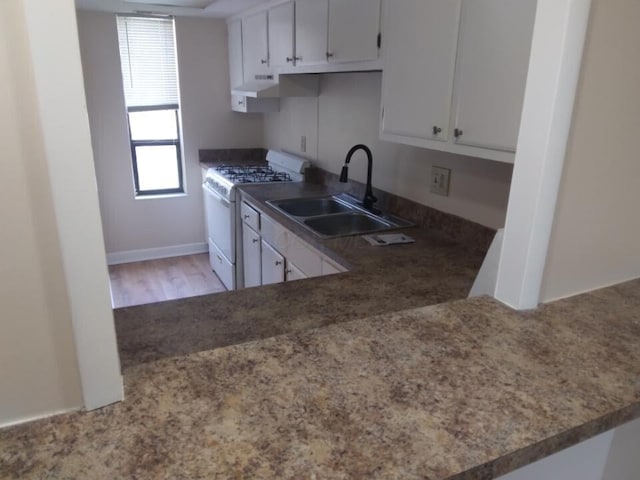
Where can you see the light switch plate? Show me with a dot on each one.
(440, 178)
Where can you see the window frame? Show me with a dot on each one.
(152, 143)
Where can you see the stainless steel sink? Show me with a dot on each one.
(333, 216)
(311, 207)
(346, 224)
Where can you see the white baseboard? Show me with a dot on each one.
(33, 418)
(116, 258)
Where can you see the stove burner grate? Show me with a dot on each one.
(252, 174)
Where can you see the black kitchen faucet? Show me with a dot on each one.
(369, 199)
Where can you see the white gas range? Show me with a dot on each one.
(222, 208)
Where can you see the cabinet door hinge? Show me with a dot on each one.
(379, 40)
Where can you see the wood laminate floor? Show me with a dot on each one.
(154, 281)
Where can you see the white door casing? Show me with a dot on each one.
(554, 69)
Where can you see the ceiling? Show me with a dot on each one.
(195, 8)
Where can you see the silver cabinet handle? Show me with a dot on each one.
(436, 130)
(263, 62)
(247, 216)
(289, 59)
(329, 54)
(297, 59)
(255, 240)
(278, 262)
(457, 133)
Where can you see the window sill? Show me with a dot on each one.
(160, 196)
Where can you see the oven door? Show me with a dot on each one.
(221, 222)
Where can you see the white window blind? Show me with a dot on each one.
(148, 60)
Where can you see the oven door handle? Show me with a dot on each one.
(217, 196)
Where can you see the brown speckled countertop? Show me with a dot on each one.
(434, 269)
(459, 391)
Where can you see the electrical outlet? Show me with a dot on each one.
(303, 143)
(440, 178)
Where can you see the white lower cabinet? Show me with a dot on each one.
(251, 252)
(272, 265)
(330, 268)
(294, 273)
(272, 254)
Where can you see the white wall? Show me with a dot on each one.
(52, 270)
(612, 455)
(347, 112)
(131, 224)
(38, 368)
(595, 240)
(55, 55)
(623, 461)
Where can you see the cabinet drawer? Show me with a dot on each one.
(250, 216)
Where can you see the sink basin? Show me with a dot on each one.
(337, 215)
(346, 224)
(312, 207)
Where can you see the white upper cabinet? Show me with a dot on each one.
(234, 32)
(311, 24)
(281, 47)
(420, 39)
(255, 50)
(240, 103)
(235, 53)
(354, 26)
(311, 36)
(493, 60)
(455, 74)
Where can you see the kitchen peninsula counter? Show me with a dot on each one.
(466, 390)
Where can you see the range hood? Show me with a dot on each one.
(298, 85)
(257, 89)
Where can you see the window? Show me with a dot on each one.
(150, 79)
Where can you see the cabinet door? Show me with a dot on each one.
(255, 51)
(294, 273)
(235, 53)
(281, 51)
(304, 257)
(330, 268)
(311, 31)
(252, 264)
(234, 36)
(272, 265)
(353, 30)
(419, 41)
(493, 60)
